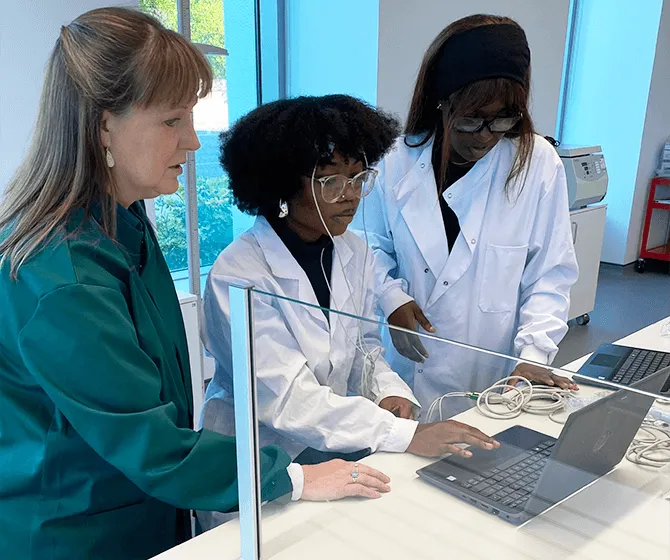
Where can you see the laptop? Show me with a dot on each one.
(623, 365)
(532, 472)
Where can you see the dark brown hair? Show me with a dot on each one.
(426, 119)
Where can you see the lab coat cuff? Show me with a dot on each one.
(402, 432)
(297, 476)
(533, 354)
(392, 298)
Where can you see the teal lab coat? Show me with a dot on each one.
(98, 458)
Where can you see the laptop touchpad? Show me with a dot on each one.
(514, 445)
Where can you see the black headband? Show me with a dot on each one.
(487, 51)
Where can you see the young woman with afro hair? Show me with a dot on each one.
(324, 390)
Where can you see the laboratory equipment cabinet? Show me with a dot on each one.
(588, 231)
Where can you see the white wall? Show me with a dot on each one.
(406, 28)
(28, 31)
(608, 93)
(656, 131)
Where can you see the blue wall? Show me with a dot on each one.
(333, 48)
(239, 20)
(606, 102)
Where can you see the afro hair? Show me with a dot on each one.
(267, 151)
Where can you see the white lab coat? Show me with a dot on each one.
(305, 368)
(505, 286)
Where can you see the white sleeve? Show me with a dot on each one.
(297, 476)
(385, 382)
(371, 225)
(290, 398)
(550, 272)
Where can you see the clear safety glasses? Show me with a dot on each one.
(333, 187)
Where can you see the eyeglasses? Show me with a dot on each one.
(334, 186)
(472, 124)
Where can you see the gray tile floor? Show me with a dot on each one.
(625, 302)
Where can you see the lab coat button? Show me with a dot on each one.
(449, 195)
(445, 283)
(425, 270)
(420, 371)
(423, 165)
(473, 241)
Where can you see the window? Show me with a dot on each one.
(169, 212)
(197, 222)
(209, 229)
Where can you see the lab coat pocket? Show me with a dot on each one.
(501, 278)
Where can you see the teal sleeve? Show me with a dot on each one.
(82, 348)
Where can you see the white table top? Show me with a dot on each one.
(623, 515)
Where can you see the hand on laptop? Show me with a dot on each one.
(435, 440)
(544, 376)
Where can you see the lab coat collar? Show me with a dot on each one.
(416, 195)
(468, 199)
(130, 229)
(292, 277)
(468, 196)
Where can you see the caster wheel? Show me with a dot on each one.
(640, 265)
(583, 320)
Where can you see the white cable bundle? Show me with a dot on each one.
(651, 446)
(534, 399)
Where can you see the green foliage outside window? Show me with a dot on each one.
(215, 222)
(206, 24)
(214, 201)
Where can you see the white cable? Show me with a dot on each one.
(651, 446)
(534, 399)
(369, 357)
(437, 403)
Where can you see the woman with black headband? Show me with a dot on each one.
(470, 223)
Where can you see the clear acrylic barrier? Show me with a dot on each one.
(317, 399)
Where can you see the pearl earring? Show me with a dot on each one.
(283, 209)
(109, 158)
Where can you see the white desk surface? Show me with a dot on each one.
(623, 515)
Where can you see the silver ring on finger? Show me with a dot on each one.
(354, 474)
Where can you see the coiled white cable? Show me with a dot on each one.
(651, 446)
(534, 399)
(503, 401)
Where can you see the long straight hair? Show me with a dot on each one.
(109, 59)
(426, 120)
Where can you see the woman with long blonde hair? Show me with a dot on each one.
(98, 458)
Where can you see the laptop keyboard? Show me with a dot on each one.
(512, 485)
(639, 364)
